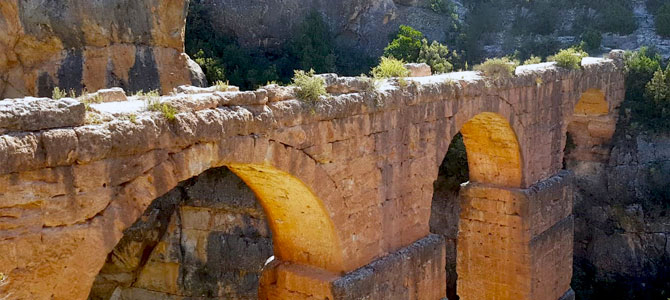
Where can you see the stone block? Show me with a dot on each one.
(414, 272)
(106, 95)
(32, 114)
(418, 70)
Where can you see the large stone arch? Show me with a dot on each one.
(147, 177)
(494, 155)
(485, 236)
(590, 127)
(302, 229)
(493, 159)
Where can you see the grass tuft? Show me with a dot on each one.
(221, 85)
(310, 87)
(57, 93)
(533, 60)
(166, 109)
(390, 67)
(498, 67)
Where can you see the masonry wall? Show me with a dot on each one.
(206, 238)
(516, 243)
(367, 159)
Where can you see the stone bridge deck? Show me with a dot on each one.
(346, 183)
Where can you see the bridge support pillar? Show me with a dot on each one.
(414, 272)
(516, 243)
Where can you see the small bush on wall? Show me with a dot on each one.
(310, 87)
(570, 58)
(390, 67)
(498, 67)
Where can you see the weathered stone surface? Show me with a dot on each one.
(106, 95)
(189, 89)
(396, 275)
(31, 114)
(77, 45)
(278, 93)
(527, 231)
(343, 181)
(418, 70)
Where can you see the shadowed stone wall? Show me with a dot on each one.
(206, 238)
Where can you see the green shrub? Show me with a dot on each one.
(312, 46)
(223, 58)
(658, 90)
(662, 21)
(543, 19)
(538, 45)
(640, 67)
(532, 60)
(57, 93)
(570, 58)
(406, 45)
(166, 109)
(390, 67)
(410, 46)
(310, 87)
(647, 91)
(498, 67)
(212, 67)
(592, 39)
(437, 5)
(437, 56)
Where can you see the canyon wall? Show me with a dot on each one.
(89, 45)
(622, 213)
(365, 25)
(361, 24)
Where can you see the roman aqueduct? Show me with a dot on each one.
(345, 184)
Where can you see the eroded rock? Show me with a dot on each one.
(77, 45)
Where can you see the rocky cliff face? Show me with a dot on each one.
(77, 45)
(622, 219)
(361, 24)
(366, 24)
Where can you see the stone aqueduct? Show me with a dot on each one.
(346, 183)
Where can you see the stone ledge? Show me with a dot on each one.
(32, 114)
(385, 278)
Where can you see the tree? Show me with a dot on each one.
(313, 46)
(406, 45)
(436, 55)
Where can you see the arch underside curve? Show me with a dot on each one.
(302, 229)
(493, 150)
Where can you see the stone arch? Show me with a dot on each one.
(494, 160)
(303, 232)
(302, 229)
(593, 103)
(493, 151)
(590, 127)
